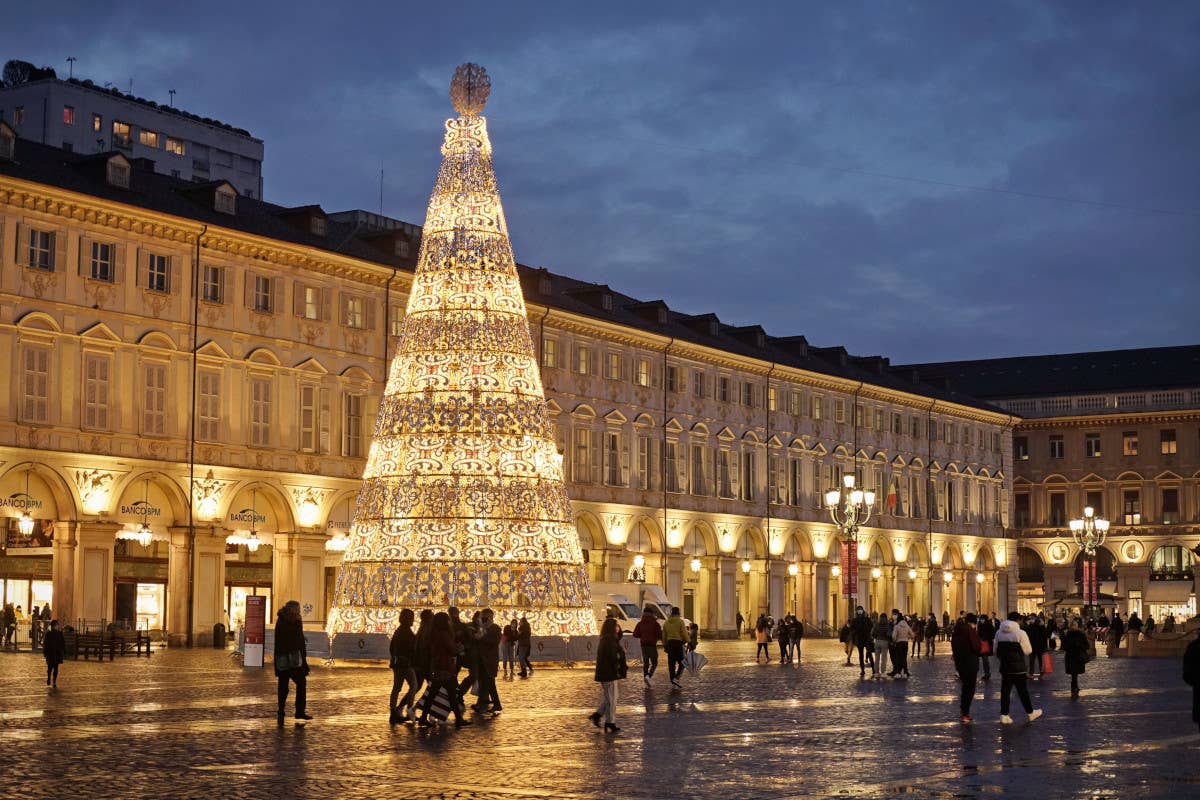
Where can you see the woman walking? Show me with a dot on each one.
(1012, 648)
(403, 657)
(901, 633)
(760, 636)
(882, 634)
(291, 660)
(1075, 654)
(54, 648)
(610, 668)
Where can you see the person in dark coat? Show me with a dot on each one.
(1191, 675)
(443, 670)
(403, 652)
(861, 627)
(987, 631)
(931, 634)
(1039, 639)
(54, 648)
(291, 660)
(487, 653)
(524, 646)
(964, 646)
(610, 668)
(1075, 654)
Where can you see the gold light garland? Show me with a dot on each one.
(463, 501)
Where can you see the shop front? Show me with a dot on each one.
(249, 556)
(141, 556)
(26, 548)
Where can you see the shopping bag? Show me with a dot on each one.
(985, 648)
(1047, 663)
(440, 708)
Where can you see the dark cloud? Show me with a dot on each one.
(735, 161)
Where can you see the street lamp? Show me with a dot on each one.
(1089, 533)
(849, 509)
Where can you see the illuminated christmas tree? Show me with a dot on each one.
(463, 501)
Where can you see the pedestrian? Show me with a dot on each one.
(54, 649)
(524, 646)
(291, 661)
(795, 637)
(1038, 640)
(693, 637)
(1116, 630)
(648, 632)
(1149, 628)
(421, 649)
(1075, 654)
(468, 644)
(402, 654)
(846, 637)
(10, 624)
(1191, 675)
(861, 631)
(918, 634)
(443, 670)
(610, 668)
(965, 648)
(508, 648)
(740, 622)
(1012, 648)
(760, 637)
(901, 633)
(987, 632)
(1169, 624)
(781, 636)
(674, 635)
(931, 634)
(881, 634)
(487, 648)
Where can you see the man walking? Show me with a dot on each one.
(674, 636)
(1012, 648)
(860, 628)
(487, 643)
(648, 632)
(964, 646)
(524, 638)
(931, 634)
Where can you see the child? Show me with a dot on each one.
(693, 637)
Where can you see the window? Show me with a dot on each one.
(1167, 443)
(154, 404)
(860, 419)
(1021, 510)
(68, 115)
(879, 419)
(671, 467)
(1131, 505)
(748, 394)
(549, 353)
(897, 423)
(101, 262)
(914, 426)
(19, 115)
(673, 384)
(1129, 443)
(121, 135)
(212, 284)
(1172, 563)
(308, 419)
(1058, 510)
(1091, 445)
(354, 311)
(95, 391)
(612, 459)
(175, 146)
(748, 476)
(583, 358)
(700, 469)
(208, 406)
(261, 297)
(308, 302)
(1020, 448)
(1170, 506)
(1095, 500)
(643, 372)
(795, 403)
(612, 366)
(582, 466)
(260, 412)
(97, 123)
(817, 404)
(916, 506)
(795, 481)
(724, 480)
(645, 462)
(158, 273)
(698, 388)
(41, 250)
(839, 410)
(352, 425)
(117, 172)
(723, 389)
(35, 385)
(772, 399)
(148, 138)
(1056, 447)
(225, 201)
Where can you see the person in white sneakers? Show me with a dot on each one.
(1012, 649)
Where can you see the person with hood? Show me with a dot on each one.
(931, 634)
(987, 631)
(54, 649)
(610, 668)
(965, 647)
(291, 660)
(901, 633)
(1012, 648)
(443, 670)
(421, 648)
(648, 632)
(402, 658)
(1076, 649)
(1191, 675)
(881, 634)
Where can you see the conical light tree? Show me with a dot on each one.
(463, 501)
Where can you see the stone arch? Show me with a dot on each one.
(700, 535)
(799, 539)
(590, 531)
(644, 536)
(38, 320)
(279, 504)
(1172, 562)
(749, 543)
(1106, 564)
(984, 560)
(263, 355)
(176, 495)
(61, 490)
(952, 557)
(1030, 566)
(157, 339)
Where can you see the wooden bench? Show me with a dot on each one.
(88, 643)
(132, 642)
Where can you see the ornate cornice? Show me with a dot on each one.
(1103, 420)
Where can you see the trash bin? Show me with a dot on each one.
(219, 637)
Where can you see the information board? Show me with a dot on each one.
(256, 630)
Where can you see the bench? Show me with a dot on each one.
(87, 643)
(132, 642)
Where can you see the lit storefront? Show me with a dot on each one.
(29, 513)
(140, 558)
(249, 554)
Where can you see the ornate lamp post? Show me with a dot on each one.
(1089, 534)
(849, 509)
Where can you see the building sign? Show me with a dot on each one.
(37, 543)
(849, 565)
(250, 511)
(255, 630)
(144, 502)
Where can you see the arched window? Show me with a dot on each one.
(1029, 566)
(1172, 563)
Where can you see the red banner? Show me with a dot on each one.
(1089, 583)
(849, 565)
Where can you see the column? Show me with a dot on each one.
(62, 568)
(673, 574)
(298, 574)
(726, 593)
(207, 575)
(806, 592)
(777, 597)
(93, 595)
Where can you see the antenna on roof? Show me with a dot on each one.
(71, 71)
(172, 93)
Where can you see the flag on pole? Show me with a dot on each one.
(893, 495)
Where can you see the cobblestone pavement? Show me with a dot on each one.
(195, 724)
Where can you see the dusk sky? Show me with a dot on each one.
(925, 181)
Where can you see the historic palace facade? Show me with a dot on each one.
(195, 377)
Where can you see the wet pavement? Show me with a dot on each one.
(195, 724)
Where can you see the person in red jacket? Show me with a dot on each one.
(648, 632)
(964, 645)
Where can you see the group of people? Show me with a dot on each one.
(675, 636)
(788, 631)
(11, 615)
